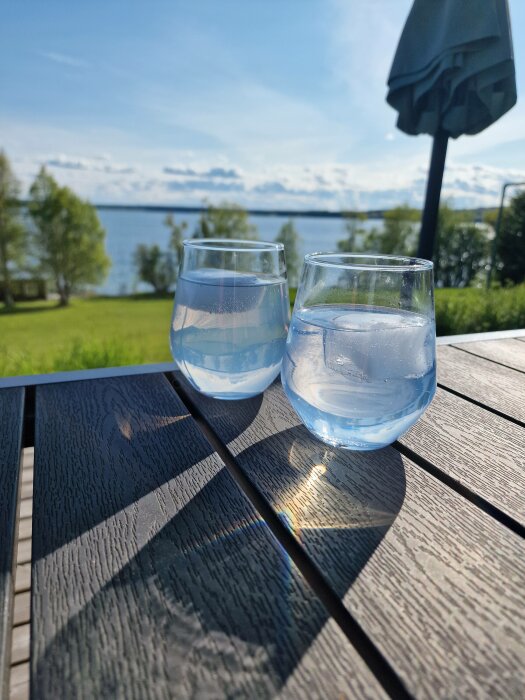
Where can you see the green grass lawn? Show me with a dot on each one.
(39, 337)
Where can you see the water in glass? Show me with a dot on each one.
(229, 329)
(359, 375)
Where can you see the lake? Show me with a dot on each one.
(125, 230)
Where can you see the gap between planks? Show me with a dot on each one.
(20, 637)
(369, 652)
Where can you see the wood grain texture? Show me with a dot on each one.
(497, 387)
(153, 576)
(508, 352)
(22, 577)
(26, 508)
(19, 685)
(482, 451)
(437, 584)
(25, 528)
(11, 422)
(20, 691)
(23, 555)
(20, 644)
(26, 489)
(21, 611)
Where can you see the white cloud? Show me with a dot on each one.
(99, 164)
(63, 59)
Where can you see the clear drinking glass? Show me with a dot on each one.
(231, 316)
(359, 366)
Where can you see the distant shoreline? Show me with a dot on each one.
(285, 213)
(288, 213)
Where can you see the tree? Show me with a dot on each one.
(68, 237)
(12, 232)
(461, 249)
(177, 235)
(155, 267)
(225, 221)
(289, 237)
(510, 249)
(354, 231)
(398, 235)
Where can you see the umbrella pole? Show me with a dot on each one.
(427, 235)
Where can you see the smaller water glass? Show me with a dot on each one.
(359, 366)
(230, 316)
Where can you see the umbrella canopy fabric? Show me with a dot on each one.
(454, 67)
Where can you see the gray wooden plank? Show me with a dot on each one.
(508, 352)
(26, 508)
(11, 423)
(436, 583)
(20, 644)
(20, 691)
(22, 578)
(153, 576)
(473, 337)
(492, 385)
(22, 609)
(26, 489)
(19, 684)
(482, 451)
(25, 528)
(84, 374)
(24, 552)
(28, 456)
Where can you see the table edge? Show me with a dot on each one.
(105, 372)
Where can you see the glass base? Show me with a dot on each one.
(348, 434)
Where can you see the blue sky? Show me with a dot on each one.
(264, 102)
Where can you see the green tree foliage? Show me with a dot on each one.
(354, 232)
(398, 235)
(155, 267)
(510, 249)
(490, 217)
(69, 239)
(225, 221)
(289, 237)
(461, 249)
(12, 232)
(177, 235)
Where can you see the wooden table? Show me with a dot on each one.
(185, 547)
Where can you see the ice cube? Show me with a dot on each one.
(381, 353)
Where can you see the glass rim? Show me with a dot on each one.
(356, 261)
(231, 245)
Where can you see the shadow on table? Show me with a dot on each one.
(106, 445)
(338, 503)
(210, 605)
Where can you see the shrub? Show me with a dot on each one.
(477, 310)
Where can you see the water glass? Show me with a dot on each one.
(231, 316)
(359, 366)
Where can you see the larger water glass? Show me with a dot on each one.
(359, 366)
(231, 316)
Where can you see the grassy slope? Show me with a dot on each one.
(39, 337)
(106, 332)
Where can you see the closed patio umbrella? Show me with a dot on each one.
(453, 74)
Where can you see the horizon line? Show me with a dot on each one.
(285, 213)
